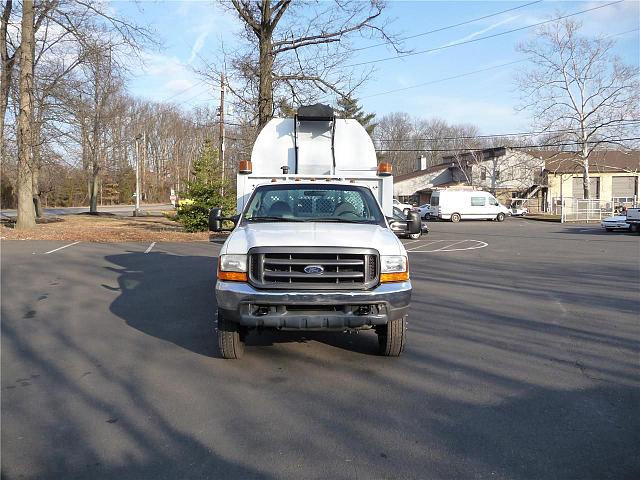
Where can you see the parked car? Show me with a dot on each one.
(399, 216)
(517, 207)
(617, 222)
(519, 211)
(425, 210)
(397, 203)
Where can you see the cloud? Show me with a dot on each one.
(199, 43)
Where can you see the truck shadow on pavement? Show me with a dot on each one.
(172, 297)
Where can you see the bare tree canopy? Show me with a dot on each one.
(577, 84)
(298, 51)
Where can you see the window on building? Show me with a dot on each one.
(477, 201)
(578, 189)
(624, 187)
(497, 175)
(483, 173)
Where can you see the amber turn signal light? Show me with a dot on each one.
(245, 167)
(384, 169)
(233, 276)
(394, 277)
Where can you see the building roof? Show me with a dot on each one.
(417, 173)
(601, 161)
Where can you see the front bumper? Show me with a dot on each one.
(313, 309)
(615, 225)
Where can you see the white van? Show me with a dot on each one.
(456, 205)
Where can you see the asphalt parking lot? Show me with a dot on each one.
(522, 363)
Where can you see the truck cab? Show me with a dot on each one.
(311, 247)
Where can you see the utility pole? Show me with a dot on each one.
(136, 212)
(221, 113)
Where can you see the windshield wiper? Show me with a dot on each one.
(340, 220)
(272, 219)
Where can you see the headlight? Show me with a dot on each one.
(232, 268)
(233, 263)
(393, 263)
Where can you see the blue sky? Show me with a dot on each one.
(195, 31)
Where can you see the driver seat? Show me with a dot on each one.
(345, 207)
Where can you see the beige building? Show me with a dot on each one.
(614, 177)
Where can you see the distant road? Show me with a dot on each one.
(155, 208)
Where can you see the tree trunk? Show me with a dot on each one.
(26, 213)
(37, 202)
(586, 181)
(265, 85)
(94, 185)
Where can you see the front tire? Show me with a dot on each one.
(230, 341)
(500, 217)
(415, 236)
(392, 337)
(455, 217)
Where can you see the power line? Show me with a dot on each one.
(466, 74)
(567, 144)
(453, 77)
(516, 134)
(451, 26)
(473, 40)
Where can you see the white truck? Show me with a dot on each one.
(311, 247)
(466, 203)
(633, 219)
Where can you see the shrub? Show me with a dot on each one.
(203, 192)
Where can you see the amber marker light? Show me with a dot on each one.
(245, 167)
(394, 277)
(384, 169)
(233, 276)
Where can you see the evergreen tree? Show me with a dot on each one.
(347, 107)
(204, 191)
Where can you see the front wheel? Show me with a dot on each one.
(500, 217)
(230, 341)
(392, 337)
(455, 217)
(414, 236)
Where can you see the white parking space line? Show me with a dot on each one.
(425, 244)
(463, 245)
(412, 241)
(150, 247)
(60, 248)
(449, 246)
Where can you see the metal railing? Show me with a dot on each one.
(578, 210)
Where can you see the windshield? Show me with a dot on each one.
(313, 203)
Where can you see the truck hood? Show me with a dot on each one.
(277, 234)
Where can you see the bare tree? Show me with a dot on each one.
(577, 84)
(298, 50)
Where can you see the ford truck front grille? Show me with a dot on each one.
(313, 268)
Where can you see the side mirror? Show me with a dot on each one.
(215, 220)
(414, 223)
(406, 212)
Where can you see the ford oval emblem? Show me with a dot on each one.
(317, 269)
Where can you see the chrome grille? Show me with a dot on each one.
(284, 267)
